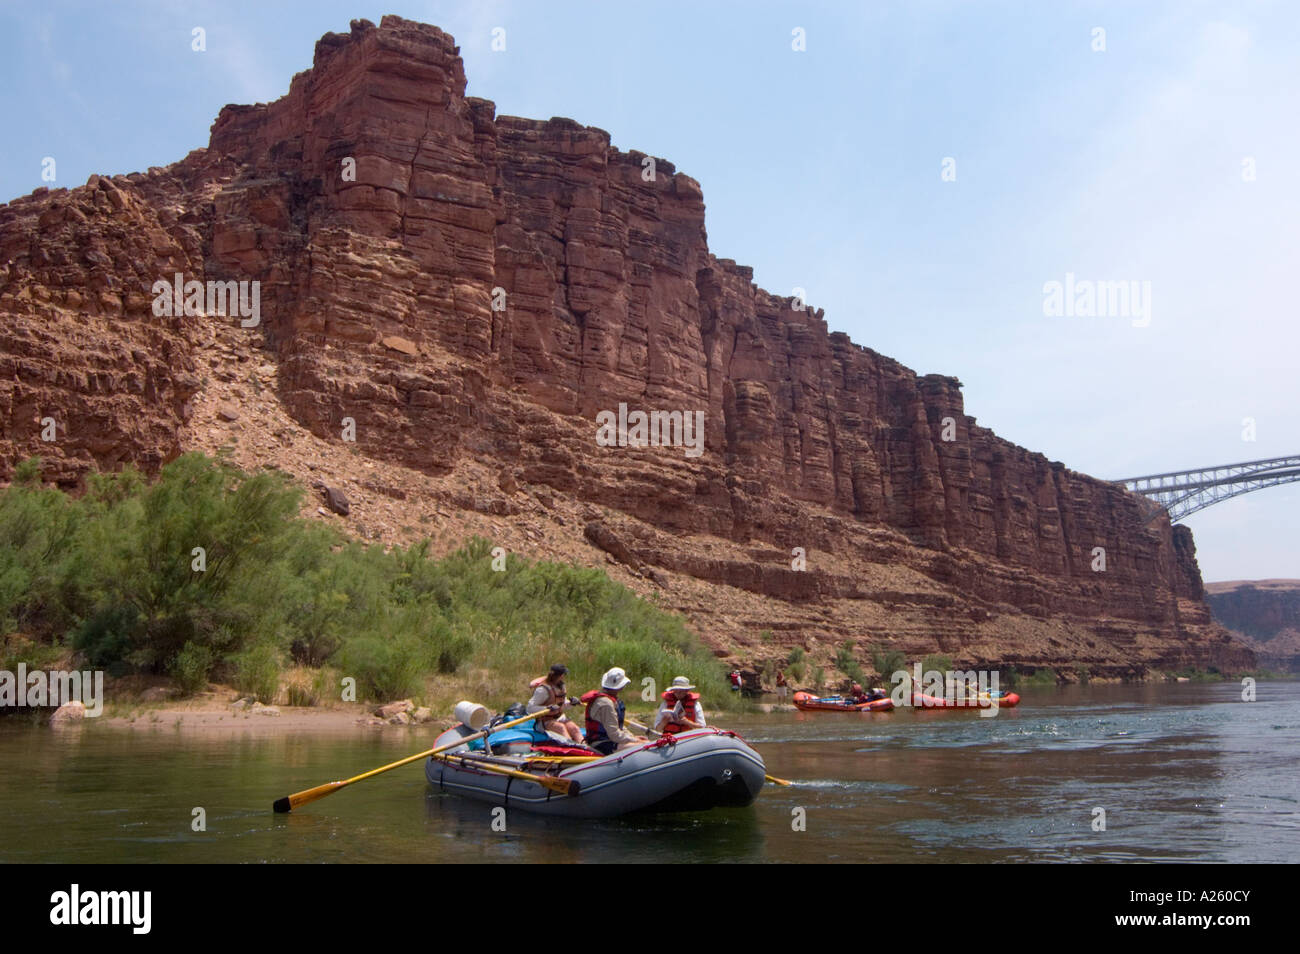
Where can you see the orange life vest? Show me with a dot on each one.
(595, 728)
(688, 704)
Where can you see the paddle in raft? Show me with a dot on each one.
(298, 799)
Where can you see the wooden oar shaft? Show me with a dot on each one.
(298, 799)
(565, 786)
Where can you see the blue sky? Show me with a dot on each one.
(821, 169)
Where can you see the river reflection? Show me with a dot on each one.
(1182, 772)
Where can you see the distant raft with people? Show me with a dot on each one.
(807, 702)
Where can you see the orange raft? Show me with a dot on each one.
(984, 701)
(807, 702)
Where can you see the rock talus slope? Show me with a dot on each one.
(464, 293)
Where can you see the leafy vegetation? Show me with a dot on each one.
(209, 573)
(936, 662)
(886, 663)
(795, 664)
(847, 663)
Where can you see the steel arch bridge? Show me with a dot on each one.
(1184, 492)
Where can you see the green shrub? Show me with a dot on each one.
(117, 571)
(34, 655)
(385, 669)
(257, 672)
(888, 662)
(191, 667)
(105, 640)
(847, 663)
(936, 662)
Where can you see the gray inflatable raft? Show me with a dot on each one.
(701, 769)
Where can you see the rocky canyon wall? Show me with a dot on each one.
(468, 290)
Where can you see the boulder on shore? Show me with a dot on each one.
(68, 712)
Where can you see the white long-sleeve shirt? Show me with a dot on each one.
(665, 714)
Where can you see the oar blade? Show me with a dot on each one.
(299, 799)
(564, 786)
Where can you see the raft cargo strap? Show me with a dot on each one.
(669, 738)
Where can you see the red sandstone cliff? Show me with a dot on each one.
(377, 305)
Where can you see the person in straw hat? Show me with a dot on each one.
(605, 714)
(680, 709)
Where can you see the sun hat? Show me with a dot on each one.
(681, 682)
(615, 679)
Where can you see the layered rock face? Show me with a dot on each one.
(443, 288)
(1266, 614)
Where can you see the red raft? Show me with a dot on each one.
(1003, 701)
(807, 702)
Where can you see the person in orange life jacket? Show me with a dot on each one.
(736, 680)
(680, 709)
(549, 693)
(605, 713)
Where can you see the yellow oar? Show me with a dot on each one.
(565, 786)
(298, 799)
(653, 733)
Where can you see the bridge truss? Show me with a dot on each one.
(1184, 492)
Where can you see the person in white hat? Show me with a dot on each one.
(605, 714)
(680, 709)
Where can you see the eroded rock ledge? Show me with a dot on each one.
(377, 305)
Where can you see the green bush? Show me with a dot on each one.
(191, 667)
(385, 669)
(936, 662)
(18, 649)
(888, 662)
(117, 571)
(106, 639)
(847, 663)
(257, 672)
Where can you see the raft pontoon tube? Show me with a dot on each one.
(810, 703)
(983, 701)
(689, 771)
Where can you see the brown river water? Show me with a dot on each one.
(1184, 772)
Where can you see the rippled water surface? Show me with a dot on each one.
(1183, 772)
